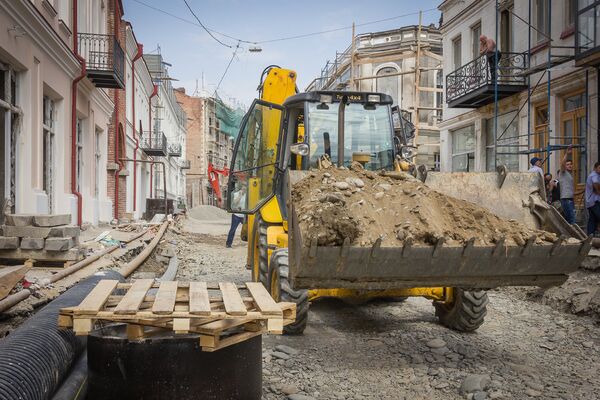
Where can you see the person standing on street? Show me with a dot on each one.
(592, 199)
(567, 187)
(238, 202)
(536, 166)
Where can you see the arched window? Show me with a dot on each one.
(388, 84)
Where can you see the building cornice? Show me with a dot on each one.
(467, 12)
(39, 30)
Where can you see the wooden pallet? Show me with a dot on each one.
(221, 314)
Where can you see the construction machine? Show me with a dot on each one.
(286, 134)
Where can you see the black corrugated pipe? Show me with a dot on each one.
(37, 355)
(75, 385)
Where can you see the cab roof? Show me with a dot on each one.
(336, 95)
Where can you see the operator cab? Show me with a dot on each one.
(317, 129)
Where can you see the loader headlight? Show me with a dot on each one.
(373, 98)
(408, 152)
(299, 149)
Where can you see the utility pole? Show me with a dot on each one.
(353, 49)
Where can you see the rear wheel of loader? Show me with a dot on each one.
(260, 254)
(466, 312)
(279, 286)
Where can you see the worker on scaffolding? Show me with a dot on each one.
(487, 48)
(567, 186)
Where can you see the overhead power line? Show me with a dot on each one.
(227, 68)
(292, 37)
(205, 28)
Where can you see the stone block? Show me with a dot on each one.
(28, 243)
(26, 231)
(65, 231)
(9, 243)
(52, 220)
(19, 219)
(59, 244)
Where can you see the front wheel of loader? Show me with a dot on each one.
(465, 313)
(260, 252)
(279, 286)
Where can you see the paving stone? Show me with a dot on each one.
(59, 244)
(52, 220)
(19, 219)
(32, 243)
(65, 231)
(9, 243)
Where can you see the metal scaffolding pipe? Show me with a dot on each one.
(140, 258)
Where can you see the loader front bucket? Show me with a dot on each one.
(471, 266)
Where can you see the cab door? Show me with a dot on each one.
(253, 166)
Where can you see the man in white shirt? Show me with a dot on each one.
(536, 166)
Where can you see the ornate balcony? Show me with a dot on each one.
(473, 86)
(154, 144)
(105, 59)
(185, 164)
(175, 150)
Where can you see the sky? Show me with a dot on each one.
(193, 53)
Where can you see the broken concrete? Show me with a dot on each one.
(51, 220)
(32, 243)
(41, 232)
(59, 244)
(19, 219)
(9, 243)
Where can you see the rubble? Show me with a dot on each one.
(364, 206)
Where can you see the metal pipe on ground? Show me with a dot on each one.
(140, 258)
(16, 298)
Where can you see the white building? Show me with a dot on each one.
(519, 126)
(38, 125)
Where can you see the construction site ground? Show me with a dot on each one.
(531, 345)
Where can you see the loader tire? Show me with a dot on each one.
(466, 312)
(280, 289)
(260, 238)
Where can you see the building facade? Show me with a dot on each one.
(211, 131)
(539, 97)
(75, 97)
(404, 63)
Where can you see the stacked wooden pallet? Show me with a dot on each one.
(221, 314)
(39, 238)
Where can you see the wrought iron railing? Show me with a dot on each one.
(154, 143)
(102, 53)
(481, 72)
(175, 150)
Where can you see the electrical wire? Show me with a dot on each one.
(226, 68)
(204, 27)
(239, 40)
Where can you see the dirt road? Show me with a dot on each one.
(398, 350)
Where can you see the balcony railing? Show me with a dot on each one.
(175, 150)
(473, 84)
(185, 164)
(105, 59)
(154, 144)
(587, 34)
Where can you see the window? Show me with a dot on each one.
(456, 53)
(98, 162)
(79, 154)
(388, 84)
(475, 35)
(48, 124)
(570, 13)
(541, 20)
(506, 30)
(540, 129)
(572, 120)
(507, 142)
(463, 149)
(588, 25)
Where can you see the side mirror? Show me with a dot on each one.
(300, 149)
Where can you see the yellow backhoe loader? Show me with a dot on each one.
(285, 134)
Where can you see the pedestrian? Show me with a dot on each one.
(238, 202)
(567, 187)
(487, 48)
(592, 199)
(550, 186)
(536, 166)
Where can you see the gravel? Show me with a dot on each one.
(388, 350)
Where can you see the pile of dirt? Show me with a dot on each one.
(338, 203)
(208, 213)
